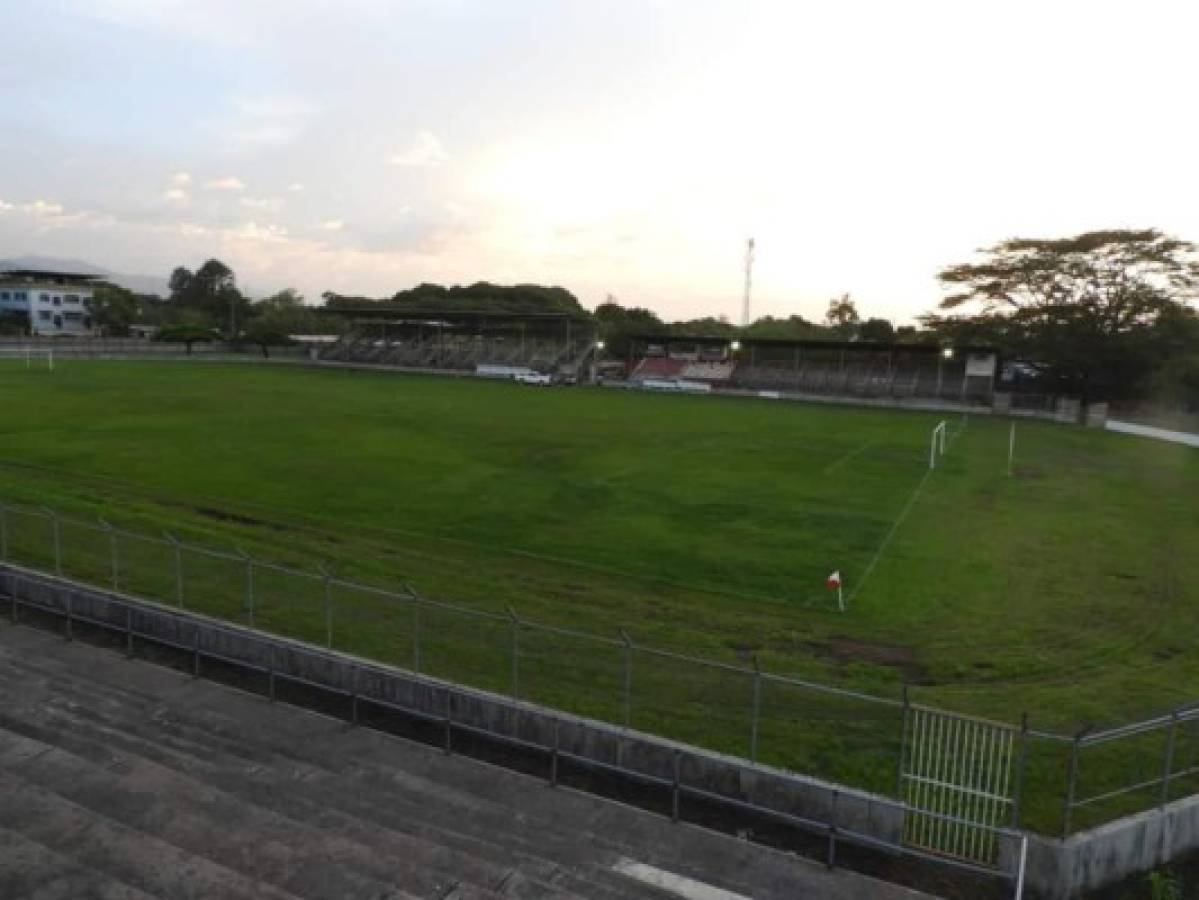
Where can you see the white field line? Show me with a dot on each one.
(890, 534)
(675, 884)
(842, 460)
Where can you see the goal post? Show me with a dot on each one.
(936, 443)
(28, 358)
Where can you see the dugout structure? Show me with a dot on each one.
(559, 344)
(835, 368)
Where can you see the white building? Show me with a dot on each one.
(48, 303)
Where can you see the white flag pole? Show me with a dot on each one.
(1011, 449)
(840, 601)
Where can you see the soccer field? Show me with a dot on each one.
(700, 525)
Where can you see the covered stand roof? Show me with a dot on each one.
(806, 344)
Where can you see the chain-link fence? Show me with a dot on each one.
(1058, 783)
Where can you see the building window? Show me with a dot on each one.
(45, 298)
(58, 321)
(44, 315)
(71, 298)
(87, 322)
(3, 295)
(20, 295)
(58, 301)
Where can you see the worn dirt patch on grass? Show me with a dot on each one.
(846, 650)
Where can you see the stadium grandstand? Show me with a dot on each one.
(488, 343)
(834, 368)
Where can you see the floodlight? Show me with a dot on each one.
(735, 346)
(947, 353)
(599, 345)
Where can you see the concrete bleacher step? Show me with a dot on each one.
(417, 801)
(32, 869)
(190, 816)
(120, 853)
(325, 804)
(371, 815)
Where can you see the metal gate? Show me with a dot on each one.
(956, 781)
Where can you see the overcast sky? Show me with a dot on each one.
(610, 146)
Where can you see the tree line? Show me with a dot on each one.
(1104, 315)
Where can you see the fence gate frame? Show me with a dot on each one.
(956, 781)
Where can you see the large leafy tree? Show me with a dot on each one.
(618, 325)
(212, 291)
(1086, 309)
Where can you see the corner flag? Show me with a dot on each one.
(833, 582)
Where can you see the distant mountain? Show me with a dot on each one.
(139, 284)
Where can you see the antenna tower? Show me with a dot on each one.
(749, 268)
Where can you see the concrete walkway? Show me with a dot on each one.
(123, 779)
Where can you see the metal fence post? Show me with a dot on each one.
(628, 677)
(271, 673)
(12, 596)
(674, 794)
(1169, 763)
(69, 632)
(554, 753)
(249, 584)
(757, 704)
(1071, 784)
(831, 862)
(1021, 762)
(328, 606)
(113, 559)
(129, 631)
(903, 742)
(416, 635)
(56, 527)
(196, 654)
(3, 532)
(178, 567)
(514, 624)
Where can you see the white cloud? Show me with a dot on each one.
(229, 183)
(425, 150)
(333, 224)
(179, 179)
(295, 187)
(42, 208)
(269, 204)
(176, 195)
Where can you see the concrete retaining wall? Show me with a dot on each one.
(1065, 868)
(1160, 434)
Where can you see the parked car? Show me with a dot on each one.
(534, 378)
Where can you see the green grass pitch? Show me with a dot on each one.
(700, 525)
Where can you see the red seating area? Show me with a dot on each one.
(659, 367)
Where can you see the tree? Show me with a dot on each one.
(268, 330)
(1084, 309)
(875, 329)
(115, 308)
(618, 325)
(842, 316)
(212, 291)
(186, 334)
(179, 283)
